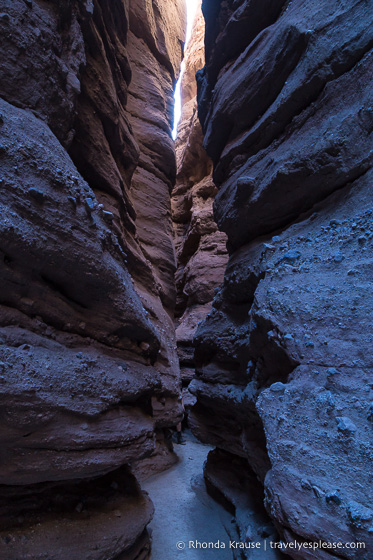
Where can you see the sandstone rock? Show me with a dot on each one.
(200, 248)
(89, 375)
(283, 372)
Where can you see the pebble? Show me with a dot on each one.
(36, 194)
(345, 425)
(333, 497)
(107, 216)
(72, 199)
(291, 256)
(89, 205)
(359, 514)
(278, 387)
(339, 258)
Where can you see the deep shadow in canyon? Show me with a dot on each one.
(233, 269)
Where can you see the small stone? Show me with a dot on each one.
(73, 82)
(4, 17)
(72, 200)
(317, 491)
(359, 515)
(335, 222)
(107, 216)
(79, 355)
(276, 239)
(333, 497)
(278, 387)
(89, 205)
(291, 256)
(117, 513)
(36, 194)
(345, 425)
(339, 258)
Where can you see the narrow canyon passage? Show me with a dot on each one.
(227, 274)
(184, 511)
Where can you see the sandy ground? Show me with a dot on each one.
(183, 510)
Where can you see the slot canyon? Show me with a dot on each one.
(222, 280)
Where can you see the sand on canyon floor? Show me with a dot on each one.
(185, 514)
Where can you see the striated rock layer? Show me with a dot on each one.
(284, 368)
(200, 247)
(88, 365)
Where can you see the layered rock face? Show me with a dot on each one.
(284, 371)
(200, 247)
(88, 366)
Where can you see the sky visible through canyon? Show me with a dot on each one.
(191, 11)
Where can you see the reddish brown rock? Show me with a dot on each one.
(283, 372)
(201, 251)
(89, 374)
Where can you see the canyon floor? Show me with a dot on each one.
(184, 511)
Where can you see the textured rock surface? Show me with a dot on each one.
(284, 368)
(88, 366)
(201, 248)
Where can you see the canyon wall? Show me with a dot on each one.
(200, 247)
(89, 374)
(284, 369)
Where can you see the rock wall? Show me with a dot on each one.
(200, 247)
(89, 374)
(284, 372)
